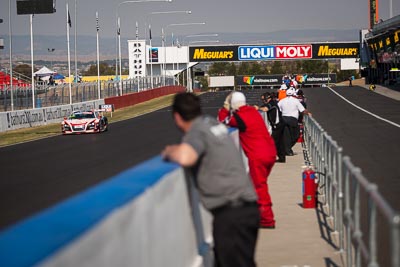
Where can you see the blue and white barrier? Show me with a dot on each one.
(141, 217)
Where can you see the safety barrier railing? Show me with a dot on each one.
(343, 188)
(55, 95)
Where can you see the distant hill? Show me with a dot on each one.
(86, 45)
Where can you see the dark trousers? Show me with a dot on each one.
(278, 136)
(291, 133)
(235, 231)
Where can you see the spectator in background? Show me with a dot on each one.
(225, 189)
(282, 91)
(258, 146)
(274, 116)
(291, 109)
(350, 81)
(51, 80)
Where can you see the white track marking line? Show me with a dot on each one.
(366, 111)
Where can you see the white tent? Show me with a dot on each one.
(44, 71)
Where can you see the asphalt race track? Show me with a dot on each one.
(38, 174)
(372, 144)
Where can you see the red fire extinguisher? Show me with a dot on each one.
(310, 187)
(301, 136)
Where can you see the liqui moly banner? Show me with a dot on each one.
(275, 52)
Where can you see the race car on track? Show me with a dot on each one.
(78, 122)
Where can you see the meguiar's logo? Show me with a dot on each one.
(200, 53)
(248, 79)
(325, 50)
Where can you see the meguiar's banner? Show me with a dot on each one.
(213, 53)
(336, 50)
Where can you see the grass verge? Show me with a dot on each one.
(38, 132)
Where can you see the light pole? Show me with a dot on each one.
(75, 57)
(158, 13)
(201, 35)
(119, 34)
(327, 64)
(163, 41)
(10, 52)
(50, 50)
(203, 41)
(188, 74)
(163, 13)
(32, 67)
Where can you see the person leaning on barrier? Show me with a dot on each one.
(291, 108)
(258, 146)
(225, 189)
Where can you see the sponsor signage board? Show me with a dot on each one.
(274, 52)
(385, 48)
(373, 13)
(153, 54)
(213, 53)
(137, 58)
(107, 107)
(269, 80)
(256, 80)
(336, 50)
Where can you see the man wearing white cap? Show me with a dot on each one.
(258, 146)
(291, 109)
(282, 91)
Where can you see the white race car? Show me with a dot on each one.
(78, 122)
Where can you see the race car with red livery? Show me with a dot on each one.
(91, 121)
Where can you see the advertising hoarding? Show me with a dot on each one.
(137, 58)
(336, 50)
(273, 52)
(213, 53)
(274, 80)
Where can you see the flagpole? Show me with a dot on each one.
(32, 67)
(10, 49)
(163, 45)
(75, 56)
(98, 55)
(137, 38)
(119, 57)
(137, 30)
(151, 59)
(69, 56)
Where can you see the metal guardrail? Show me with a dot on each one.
(343, 188)
(46, 95)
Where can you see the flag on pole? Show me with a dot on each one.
(119, 27)
(97, 21)
(137, 30)
(162, 34)
(69, 20)
(150, 31)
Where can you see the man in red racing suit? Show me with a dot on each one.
(258, 146)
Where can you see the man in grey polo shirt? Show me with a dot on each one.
(220, 176)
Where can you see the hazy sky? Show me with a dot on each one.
(220, 16)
